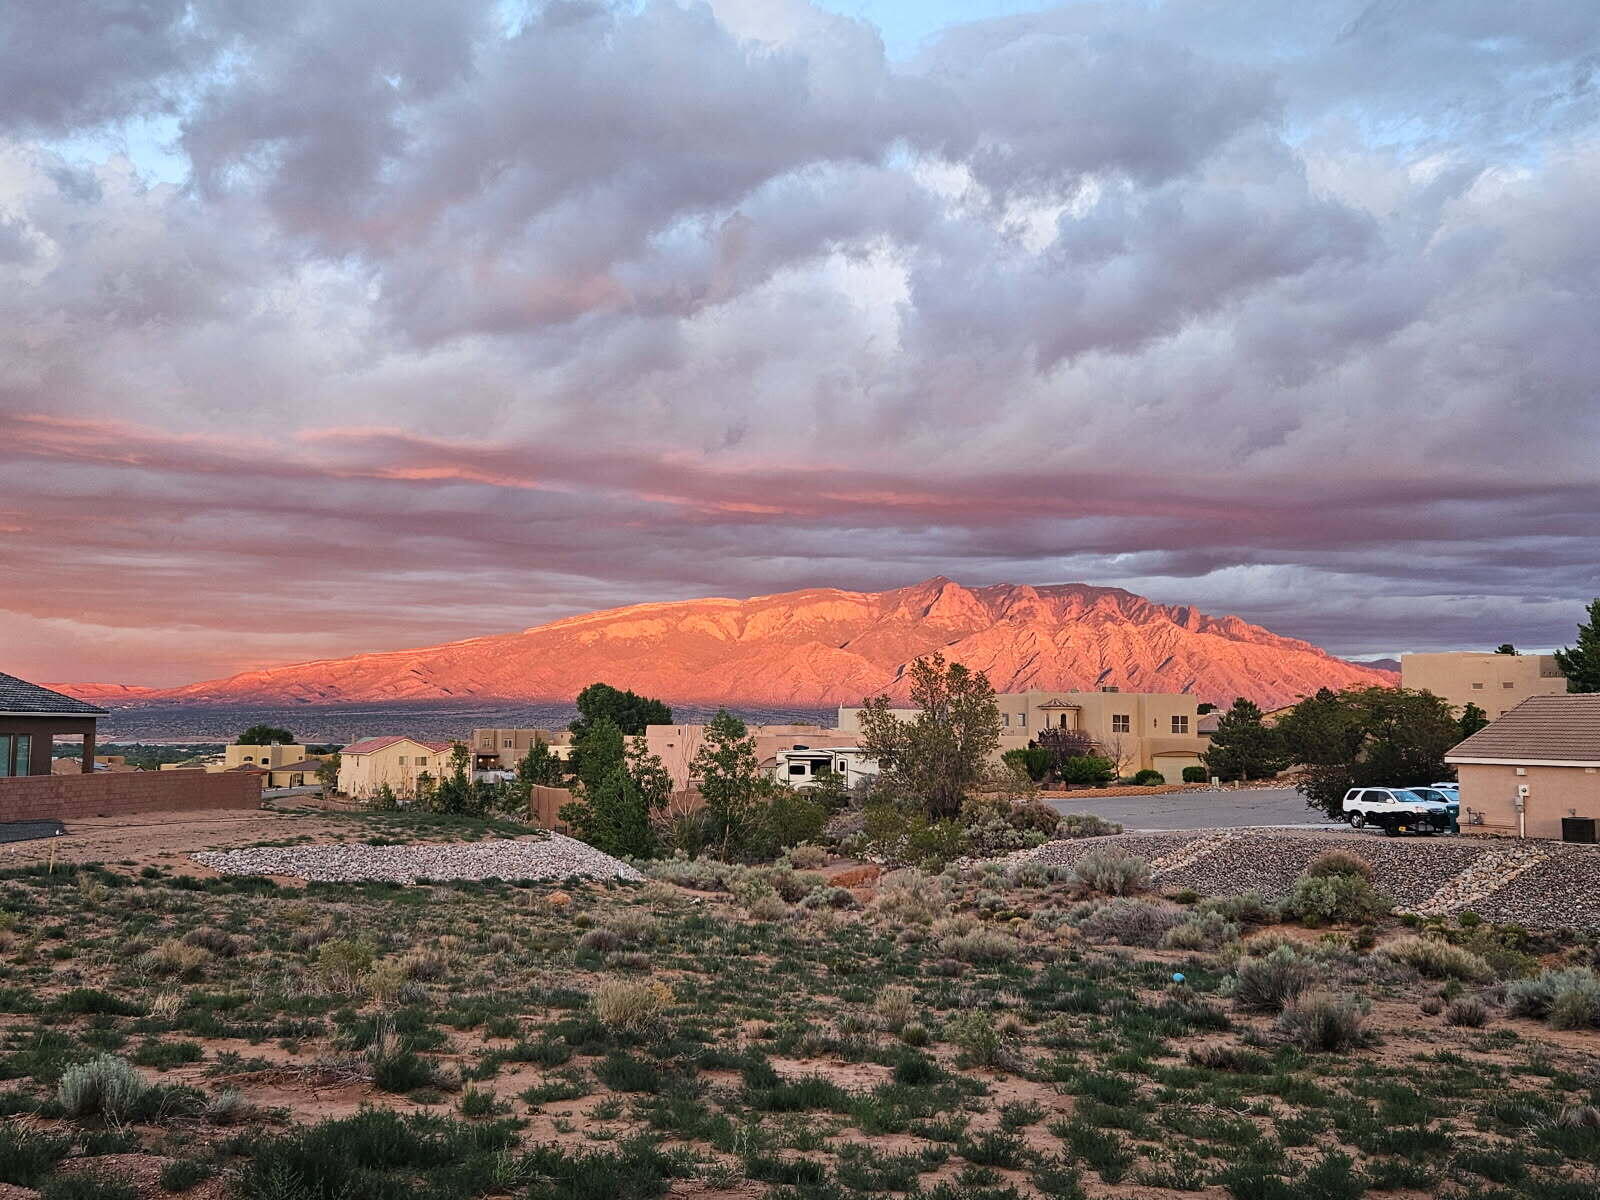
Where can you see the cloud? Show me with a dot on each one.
(461, 324)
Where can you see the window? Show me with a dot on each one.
(1477, 687)
(402, 760)
(797, 768)
(5, 754)
(1022, 719)
(1121, 723)
(1180, 724)
(421, 762)
(507, 744)
(1005, 718)
(24, 754)
(1506, 685)
(1061, 721)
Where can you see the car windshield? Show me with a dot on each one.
(1406, 796)
(1431, 794)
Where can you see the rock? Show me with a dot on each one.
(553, 856)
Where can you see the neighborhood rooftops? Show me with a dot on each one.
(1554, 730)
(19, 698)
(373, 745)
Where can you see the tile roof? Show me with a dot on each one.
(20, 696)
(372, 745)
(305, 764)
(1557, 728)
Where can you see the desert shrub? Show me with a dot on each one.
(625, 1004)
(181, 1174)
(227, 1107)
(974, 1035)
(401, 1071)
(829, 897)
(768, 908)
(1245, 908)
(895, 1005)
(1149, 777)
(790, 816)
(173, 957)
(424, 964)
(1339, 862)
(217, 941)
(601, 940)
(106, 1086)
(1436, 959)
(1201, 931)
(908, 835)
(1346, 898)
(89, 1185)
(806, 856)
(1035, 762)
(981, 946)
(341, 963)
(1468, 1011)
(1087, 768)
(1131, 922)
(909, 901)
(1114, 872)
(1195, 775)
(1267, 984)
(28, 1155)
(93, 1001)
(1085, 825)
(1323, 1022)
(1569, 998)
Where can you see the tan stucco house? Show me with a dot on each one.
(1496, 683)
(503, 749)
(365, 766)
(1534, 772)
(677, 745)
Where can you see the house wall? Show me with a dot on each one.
(510, 746)
(43, 731)
(362, 776)
(1553, 793)
(68, 797)
(275, 755)
(1494, 682)
(677, 745)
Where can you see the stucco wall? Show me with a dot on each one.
(1553, 793)
(65, 797)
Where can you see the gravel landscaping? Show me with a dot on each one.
(551, 857)
(1541, 884)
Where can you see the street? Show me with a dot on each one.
(1199, 810)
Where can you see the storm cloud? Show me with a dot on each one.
(463, 316)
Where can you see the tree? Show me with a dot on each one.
(328, 774)
(1581, 663)
(629, 711)
(457, 791)
(540, 766)
(1061, 744)
(1471, 720)
(1367, 737)
(939, 756)
(1505, 648)
(1243, 746)
(595, 752)
(616, 814)
(1204, 707)
(729, 778)
(265, 735)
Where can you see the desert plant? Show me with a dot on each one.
(1569, 997)
(1339, 862)
(624, 1004)
(974, 1035)
(1468, 1011)
(1131, 922)
(1323, 1022)
(770, 907)
(342, 962)
(895, 1005)
(1342, 897)
(1149, 777)
(1267, 984)
(1195, 775)
(806, 856)
(106, 1086)
(1435, 958)
(1114, 872)
(1201, 931)
(1086, 825)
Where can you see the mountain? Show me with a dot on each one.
(823, 647)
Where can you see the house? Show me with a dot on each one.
(677, 745)
(802, 767)
(1534, 772)
(113, 763)
(274, 757)
(1496, 683)
(503, 749)
(366, 766)
(1139, 730)
(31, 718)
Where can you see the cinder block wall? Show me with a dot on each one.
(69, 797)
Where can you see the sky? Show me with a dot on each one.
(343, 325)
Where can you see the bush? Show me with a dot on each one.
(1201, 931)
(1130, 922)
(1245, 908)
(895, 1005)
(1339, 862)
(805, 857)
(1034, 761)
(981, 946)
(1086, 825)
(620, 1004)
(770, 907)
(181, 1174)
(909, 836)
(1468, 1011)
(1569, 998)
(1088, 768)
(89, 1185)
(1266, 985)
(1115, 872)
(342, 962)
(106, 1086)
(1436, 959)
(1195, 775)
(1320, 899)
(1322, 1022)
(975, 1036)
(28, 1155)
(1148, 778)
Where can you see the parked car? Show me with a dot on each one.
(1445, 794)
(1395, 810)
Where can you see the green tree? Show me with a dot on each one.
(1243, 746)
(1505, 648)
(628, 711)
(596, 752)
(1061, 745)
(730, 781)
(540, 766)
(1204, 707)
(1581, 663)
(939, 756)
(1471, 720)
(264, 735)
(616, 814)
(1367, 737)
(456, 791)
(328, 774)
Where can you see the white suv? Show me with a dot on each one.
(1395, 810)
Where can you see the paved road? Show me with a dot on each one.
(1200, 810)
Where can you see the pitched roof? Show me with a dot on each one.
(20, 696)
(305, 764)
(1554, 729)
(372, 745)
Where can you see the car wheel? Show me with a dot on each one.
(1357, 820)
(1388, 831)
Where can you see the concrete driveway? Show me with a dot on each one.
(1201, 810)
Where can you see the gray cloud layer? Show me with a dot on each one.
(457, 325)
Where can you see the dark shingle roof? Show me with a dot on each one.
(20, 696)
(1557, 728)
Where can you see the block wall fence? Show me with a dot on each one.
(69, 797)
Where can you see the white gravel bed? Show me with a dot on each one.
(1561, 892)
(553, 857)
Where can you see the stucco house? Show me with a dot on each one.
(1534, 772)
(31, 718)
(366, 766)
(1496, 683)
